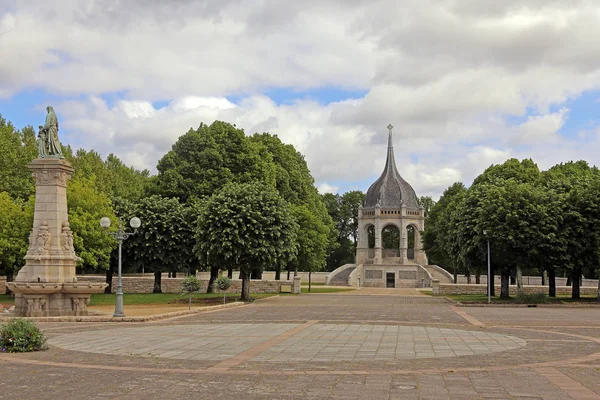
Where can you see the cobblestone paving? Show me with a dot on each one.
(321, 347)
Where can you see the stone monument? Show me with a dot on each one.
(47, 285)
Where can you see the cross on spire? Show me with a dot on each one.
(390, 127)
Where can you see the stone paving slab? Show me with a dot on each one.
(560, 358)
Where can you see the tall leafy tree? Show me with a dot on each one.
(439, 241)
(165, 240)
(17, 149)
(87, 205)
(16, 219)
(295, 185)
(248, 226)
(204, 160)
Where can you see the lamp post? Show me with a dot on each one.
(120, 235)
(490, 279)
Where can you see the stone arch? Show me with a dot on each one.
(412, 240)
(369, 232)
(390, 240)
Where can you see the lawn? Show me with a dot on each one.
(167, 298)
(6, 299)
(305, 283)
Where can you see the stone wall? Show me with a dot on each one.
(440, 289)
(139, 284)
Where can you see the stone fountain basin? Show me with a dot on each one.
(83, 287)
(34, 287)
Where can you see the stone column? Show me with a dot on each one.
(378, 253)
(297, 285)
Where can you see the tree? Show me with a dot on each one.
(17, 149)
(248, 226)
(204, 160)
(86, 206)
(165, 240)
(16, 220)
(344, 212)
(438, 240)
(568, 182)
(111, 176)
(295, 185)
(427, 203)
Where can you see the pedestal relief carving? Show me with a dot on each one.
(66, 237)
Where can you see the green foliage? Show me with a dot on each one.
(21, 335)
(86, 206)
(223, 283)
(343, 210)
(191, 284)
(111, 176)
(17, 149)
(204, 160)
(165, 240)
(534, 298)
(246, 226)
(16, 220)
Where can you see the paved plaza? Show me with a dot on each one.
(374, 345)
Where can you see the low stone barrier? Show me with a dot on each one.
(441, 289)
(142, 284)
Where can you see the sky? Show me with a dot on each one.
(465, 83)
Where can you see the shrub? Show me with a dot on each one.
(223, 283)
(190, 285)
(534, 298)
(21, 335)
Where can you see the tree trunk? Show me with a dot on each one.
(519, 280)
(504, 279)
(278, 273)
(477, 277)
(245, 285)
(174, 274)
(513, 277)
(310, 273)
(289, 271)
(455, 275)
(576, 290)
(157, 282)
(568, 280)
(551, 282)
(214, 273)
(9, 278)
(230, 273)
(544, 278)
(109, 276)
(468, 279)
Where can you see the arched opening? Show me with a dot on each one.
(371, 236)
(390, 238)
(410, 238)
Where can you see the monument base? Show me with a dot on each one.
(49, 299)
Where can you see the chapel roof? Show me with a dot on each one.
(391, 190)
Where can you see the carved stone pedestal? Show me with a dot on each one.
(46, 285)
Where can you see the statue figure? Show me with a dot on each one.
(42, 143)
(49, 145)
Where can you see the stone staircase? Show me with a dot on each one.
(439, 273)
(341, 279)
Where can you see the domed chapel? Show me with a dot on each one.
(390, 223)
